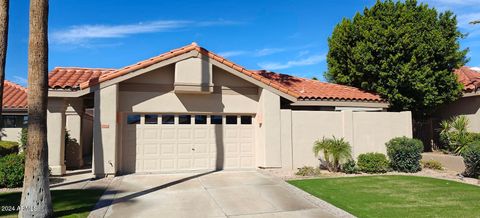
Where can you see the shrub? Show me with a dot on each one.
(335, 151)
(373, 163)
(24, 138)
(350, 167)
(405, 154)
(454, 133)
(432, 164)
(308, 171)
(11, 170)
(8, 147)
(471, 158)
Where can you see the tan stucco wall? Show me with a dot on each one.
(56, 135)
(232, 95)
(468, 106)
(365, 131)
(74, 147)
(11, 134)
(193, 71)
(105, 131)
(268, 130)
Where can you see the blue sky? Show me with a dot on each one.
(283, 36)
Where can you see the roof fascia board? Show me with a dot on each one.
(252, 80)
(342, 104)
(145, 70)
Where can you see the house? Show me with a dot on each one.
(469, 103)
(190, 109)
(14, 108)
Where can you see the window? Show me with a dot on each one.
(168, 119)
(184, 119)
(231, 119)
(246, 119)
(200, 119)
(133, 119)
(151, 119)
(215, 119)
(15, 121)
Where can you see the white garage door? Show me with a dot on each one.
(168, 143)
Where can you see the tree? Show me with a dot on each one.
(3, 50)
(404, 51)
(36, 199)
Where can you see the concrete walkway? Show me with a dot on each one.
(211, 194)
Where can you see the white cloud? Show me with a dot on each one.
(257, 53)
(311, 60)
(268, 51)
(82, 33)
(475, 68)
(20, 80)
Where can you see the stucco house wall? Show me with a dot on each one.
(11, 134)
(468, 106)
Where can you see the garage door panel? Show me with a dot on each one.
(168, 133)
(184, 163)
(174, 147)
(167, 164)
(150, 149)
(150, 133)
(168, 149)
(185, 134)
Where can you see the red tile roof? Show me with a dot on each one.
(296, 87)
(14, 96)
(469, 78)
(308, 89)
(72, 77)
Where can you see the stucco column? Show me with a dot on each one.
(56, 135)
(105, 131)
(74, 149)
(270, 129)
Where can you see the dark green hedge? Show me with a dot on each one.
(373, 163)
(12, 170)
(405, 154)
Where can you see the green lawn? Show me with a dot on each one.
(396, 196)
(66, 203)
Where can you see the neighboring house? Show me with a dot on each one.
(14, 107)
(469, 103)
(190, 109)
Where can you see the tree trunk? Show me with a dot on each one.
(36, 200)
(3, 51)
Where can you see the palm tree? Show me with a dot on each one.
(335, 152)
(36, 200)
(3, 50)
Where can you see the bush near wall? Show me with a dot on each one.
(405, 154)
(471, 158)
(12, 170)
(8, 147)
(373, 163)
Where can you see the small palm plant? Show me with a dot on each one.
(335, 151)
(454, 133)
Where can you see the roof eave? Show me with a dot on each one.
(342, 103)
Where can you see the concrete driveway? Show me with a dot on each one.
(213, 194)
